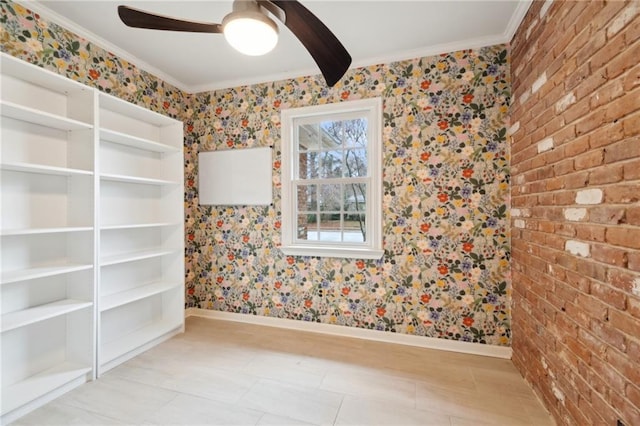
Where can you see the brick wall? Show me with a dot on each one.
(575, 208)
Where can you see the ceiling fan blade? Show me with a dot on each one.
(325, 48)
(140, 19)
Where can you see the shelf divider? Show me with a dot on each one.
(41, 272)
(29, 316)
(42, 118)
(40, 384)
(118, 299)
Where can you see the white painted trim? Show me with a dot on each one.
(516, 19)
(514, 23)
(357, 333)
(39, 8)
(291, 120)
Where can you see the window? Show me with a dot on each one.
(332, 180)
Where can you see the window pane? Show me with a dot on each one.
(330, 227)
(309, 165)
(308, 137)
(331, 166)
(307, 227)
(307, 197)
(330, 197)
(355, 197)
(355, 133)
(354, 228)
(355, 163)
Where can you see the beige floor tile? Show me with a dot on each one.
(305, 404)
(288, 369)
(273, 420)
(217, 384)
(192, 410)
(125, 400)
(222, 372)
(56, 413)
(494, 407)
(357, 411)
(387, 389)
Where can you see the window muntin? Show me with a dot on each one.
(332, 180)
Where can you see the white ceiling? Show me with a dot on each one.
(372, 31)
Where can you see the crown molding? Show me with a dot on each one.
(516, 19)
(39, 8)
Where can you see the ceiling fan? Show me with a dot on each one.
(250, 29)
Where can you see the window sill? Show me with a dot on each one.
(343, 252)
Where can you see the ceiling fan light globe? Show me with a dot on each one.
(251, 33)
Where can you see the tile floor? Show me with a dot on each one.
(225, 373)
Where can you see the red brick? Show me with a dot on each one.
(633, 307)
(592, 121)
(591, 232)
(610, 174)
(634, 261)
(607, 134)
(623, 364)
(632, 170)
(623, 150)
(563, 167)
(595, 345)
(622, 194)
(629, 414)
(624, 236)
(632, 393)
(623, 106)
(609, 335)
(633, 215)
(576, 180)
(624, 61)
(613, 378)
(604, 56)
(595, 43)
(570, 310)
(593, 307)
(609, 295)
(605, 94)
(622, 279)
(611, 255)
(589, 160)
(625, 323)
(607, 214)
(631, 126)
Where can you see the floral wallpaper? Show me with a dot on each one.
(445, 271)
(25, 35)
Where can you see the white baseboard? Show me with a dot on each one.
(358, 333)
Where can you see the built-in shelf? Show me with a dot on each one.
(134, 141)
(134, 256)
(29, 316)
(42, 118)
(41, 231)
(18, 394)
(138, 226)
(118, 299)
(43, 169)
(61, 216)
(41, 272)
(118, 347)
(136, 179)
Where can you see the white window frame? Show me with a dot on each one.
(371, 109)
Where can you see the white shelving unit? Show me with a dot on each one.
(141, 276)
(47, 235)
(91, 233)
